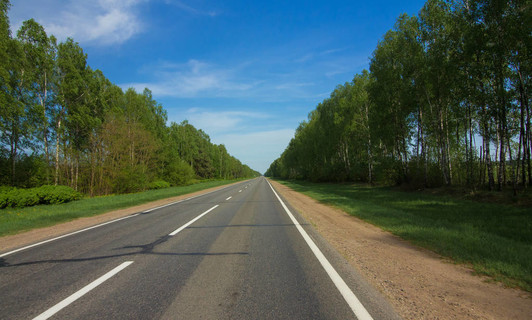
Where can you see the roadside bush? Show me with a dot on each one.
(159, 184)
(24, 198)
(6, 189)
(179, 173)
(13, 197)
(131, 179)
(57, 194)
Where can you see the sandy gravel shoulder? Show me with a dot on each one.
(418, 283)
(19, 240)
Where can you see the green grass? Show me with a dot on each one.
(494, 239)
(15, 220)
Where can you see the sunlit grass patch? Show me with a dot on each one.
(494, 239)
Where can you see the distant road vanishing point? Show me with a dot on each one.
(239, 252)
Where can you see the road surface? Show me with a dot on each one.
(240, 252)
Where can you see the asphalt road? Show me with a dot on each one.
(231, 254)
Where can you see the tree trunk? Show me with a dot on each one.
(45, 129)
(487, 142)
(482, 177)
(448, 151)
(370, 154)
(522, 138)
(524, 130)
(77, 172)
(56, 178)
(491, 180)
(13, 155)
(471, 143)
(516, 172)
(528, 137)
(442, 148)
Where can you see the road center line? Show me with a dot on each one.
(53, 310)
(190, 198)
(356, 306)
(192, 221)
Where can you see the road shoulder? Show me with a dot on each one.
(418, 283)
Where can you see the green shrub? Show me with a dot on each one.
(19, 198)
(3, 200)
(159, 184)
(6, 189)
(131, 179)
(25, 198)
(179, 173)
(57, 194)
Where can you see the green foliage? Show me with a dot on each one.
(159, 184)
(130, 179)
(179, 172)
(446, 102)
(19, 198)
(62, 122)
(57, 194)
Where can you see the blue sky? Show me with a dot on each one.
(246, 72)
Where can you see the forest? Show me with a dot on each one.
(63, 123)
(446, 102)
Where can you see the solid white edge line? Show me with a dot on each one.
(356, 306)
(191, 221)
(53, 310)
(66, 235)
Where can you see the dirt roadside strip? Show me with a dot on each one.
(19, 240)
(418, 283)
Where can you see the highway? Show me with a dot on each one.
(240, 252)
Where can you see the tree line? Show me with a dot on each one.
(63, 123)
(446, 101)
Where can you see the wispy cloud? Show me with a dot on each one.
(198, 79)
(193, 10)
(315, 55)
(191, 79)
(293, 85)
(215, 122)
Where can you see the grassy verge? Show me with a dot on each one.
(14, 220)
(495, 240)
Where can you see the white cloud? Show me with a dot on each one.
(305, 58)
(214, 122)
(293, 85)
(102, 22)
(185, 7)
(192, 79)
